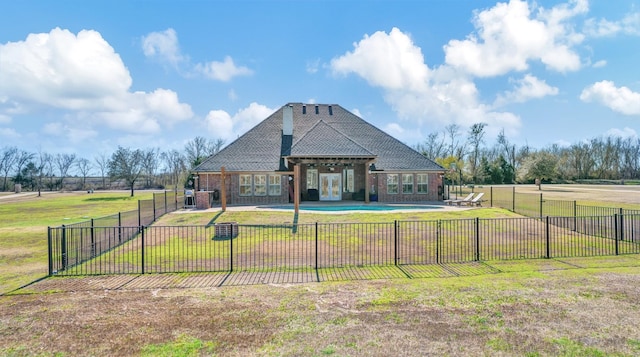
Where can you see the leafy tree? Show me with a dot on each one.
(540, 165)
(126, 164)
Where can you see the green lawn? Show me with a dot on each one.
(23, 228)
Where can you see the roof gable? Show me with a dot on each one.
(318, 130)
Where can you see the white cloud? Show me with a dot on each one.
(417, 93)
(356, 111)
(312, 66)
(508, 37)
(222, 71)
(83, 76)
(385, 60)
(232, 95)
(600, 64)
(222, 125)
(620, 99)
(622, 133)
(629, 25)
(74, 134)
(9, 133)
(529, 87)
(163, 45)
(5, 119)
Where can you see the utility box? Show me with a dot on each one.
(17, 188)
(226, 230)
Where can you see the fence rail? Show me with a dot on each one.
(83, 250)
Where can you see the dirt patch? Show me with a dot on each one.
(552, 312)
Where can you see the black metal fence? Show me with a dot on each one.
(95, 237)
(79, 250)
(535, 205)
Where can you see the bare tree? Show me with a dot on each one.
(44, 161)
(126, 164)
(475, 138)
(8, 159)
(102, 160)
(455, 149)
(508, 152)
(84, 167)
(23, 157)
(175, 162)
(63, 163)
(150, 164)
(433, 147)
(200, 148)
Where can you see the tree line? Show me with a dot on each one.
(468, 158)
(147, 168)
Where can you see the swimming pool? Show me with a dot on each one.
(341, 208)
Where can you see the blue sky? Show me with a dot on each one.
(84, 77)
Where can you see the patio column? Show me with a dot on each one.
(366, 181)
(296, 188)
(223, 190)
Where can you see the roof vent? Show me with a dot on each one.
(317, 112)
(304, 109)
(330, 110)
(287, 120)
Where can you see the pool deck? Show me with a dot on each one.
(429, 206)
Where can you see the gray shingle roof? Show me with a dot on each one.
(332, 132)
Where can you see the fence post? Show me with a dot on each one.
(154, 207)
(547, 238)
(395, 242)
(119, 227)
(93, 240)
(142, 250)
(316, 247)
(166, 208)
(50, 251)
(139, 214)
(438, 242)
(231, 248)
(477, 239)
(63, 248)
(575, 215)
(513, 199)
(541, 206)
(491, 195)
(616, 231)
(621, 224)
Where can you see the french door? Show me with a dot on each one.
(330, 187)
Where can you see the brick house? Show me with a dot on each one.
(340, 157)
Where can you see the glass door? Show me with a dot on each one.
(330, 189)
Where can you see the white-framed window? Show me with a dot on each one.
(407, 183)
(392, 183)
(245, 185)
(275, 189)
(312, 178)
(260, 185)
(347, 180)
(423, 183)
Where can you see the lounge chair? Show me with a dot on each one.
(458, 202)
(476, 201)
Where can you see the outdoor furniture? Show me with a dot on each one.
(458, 202)
(476, 201)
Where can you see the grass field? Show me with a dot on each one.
(559, 307)
(23, 227)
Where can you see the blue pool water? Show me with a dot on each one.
(339, 208)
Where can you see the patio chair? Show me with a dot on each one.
(476, 201)
(458, 202)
